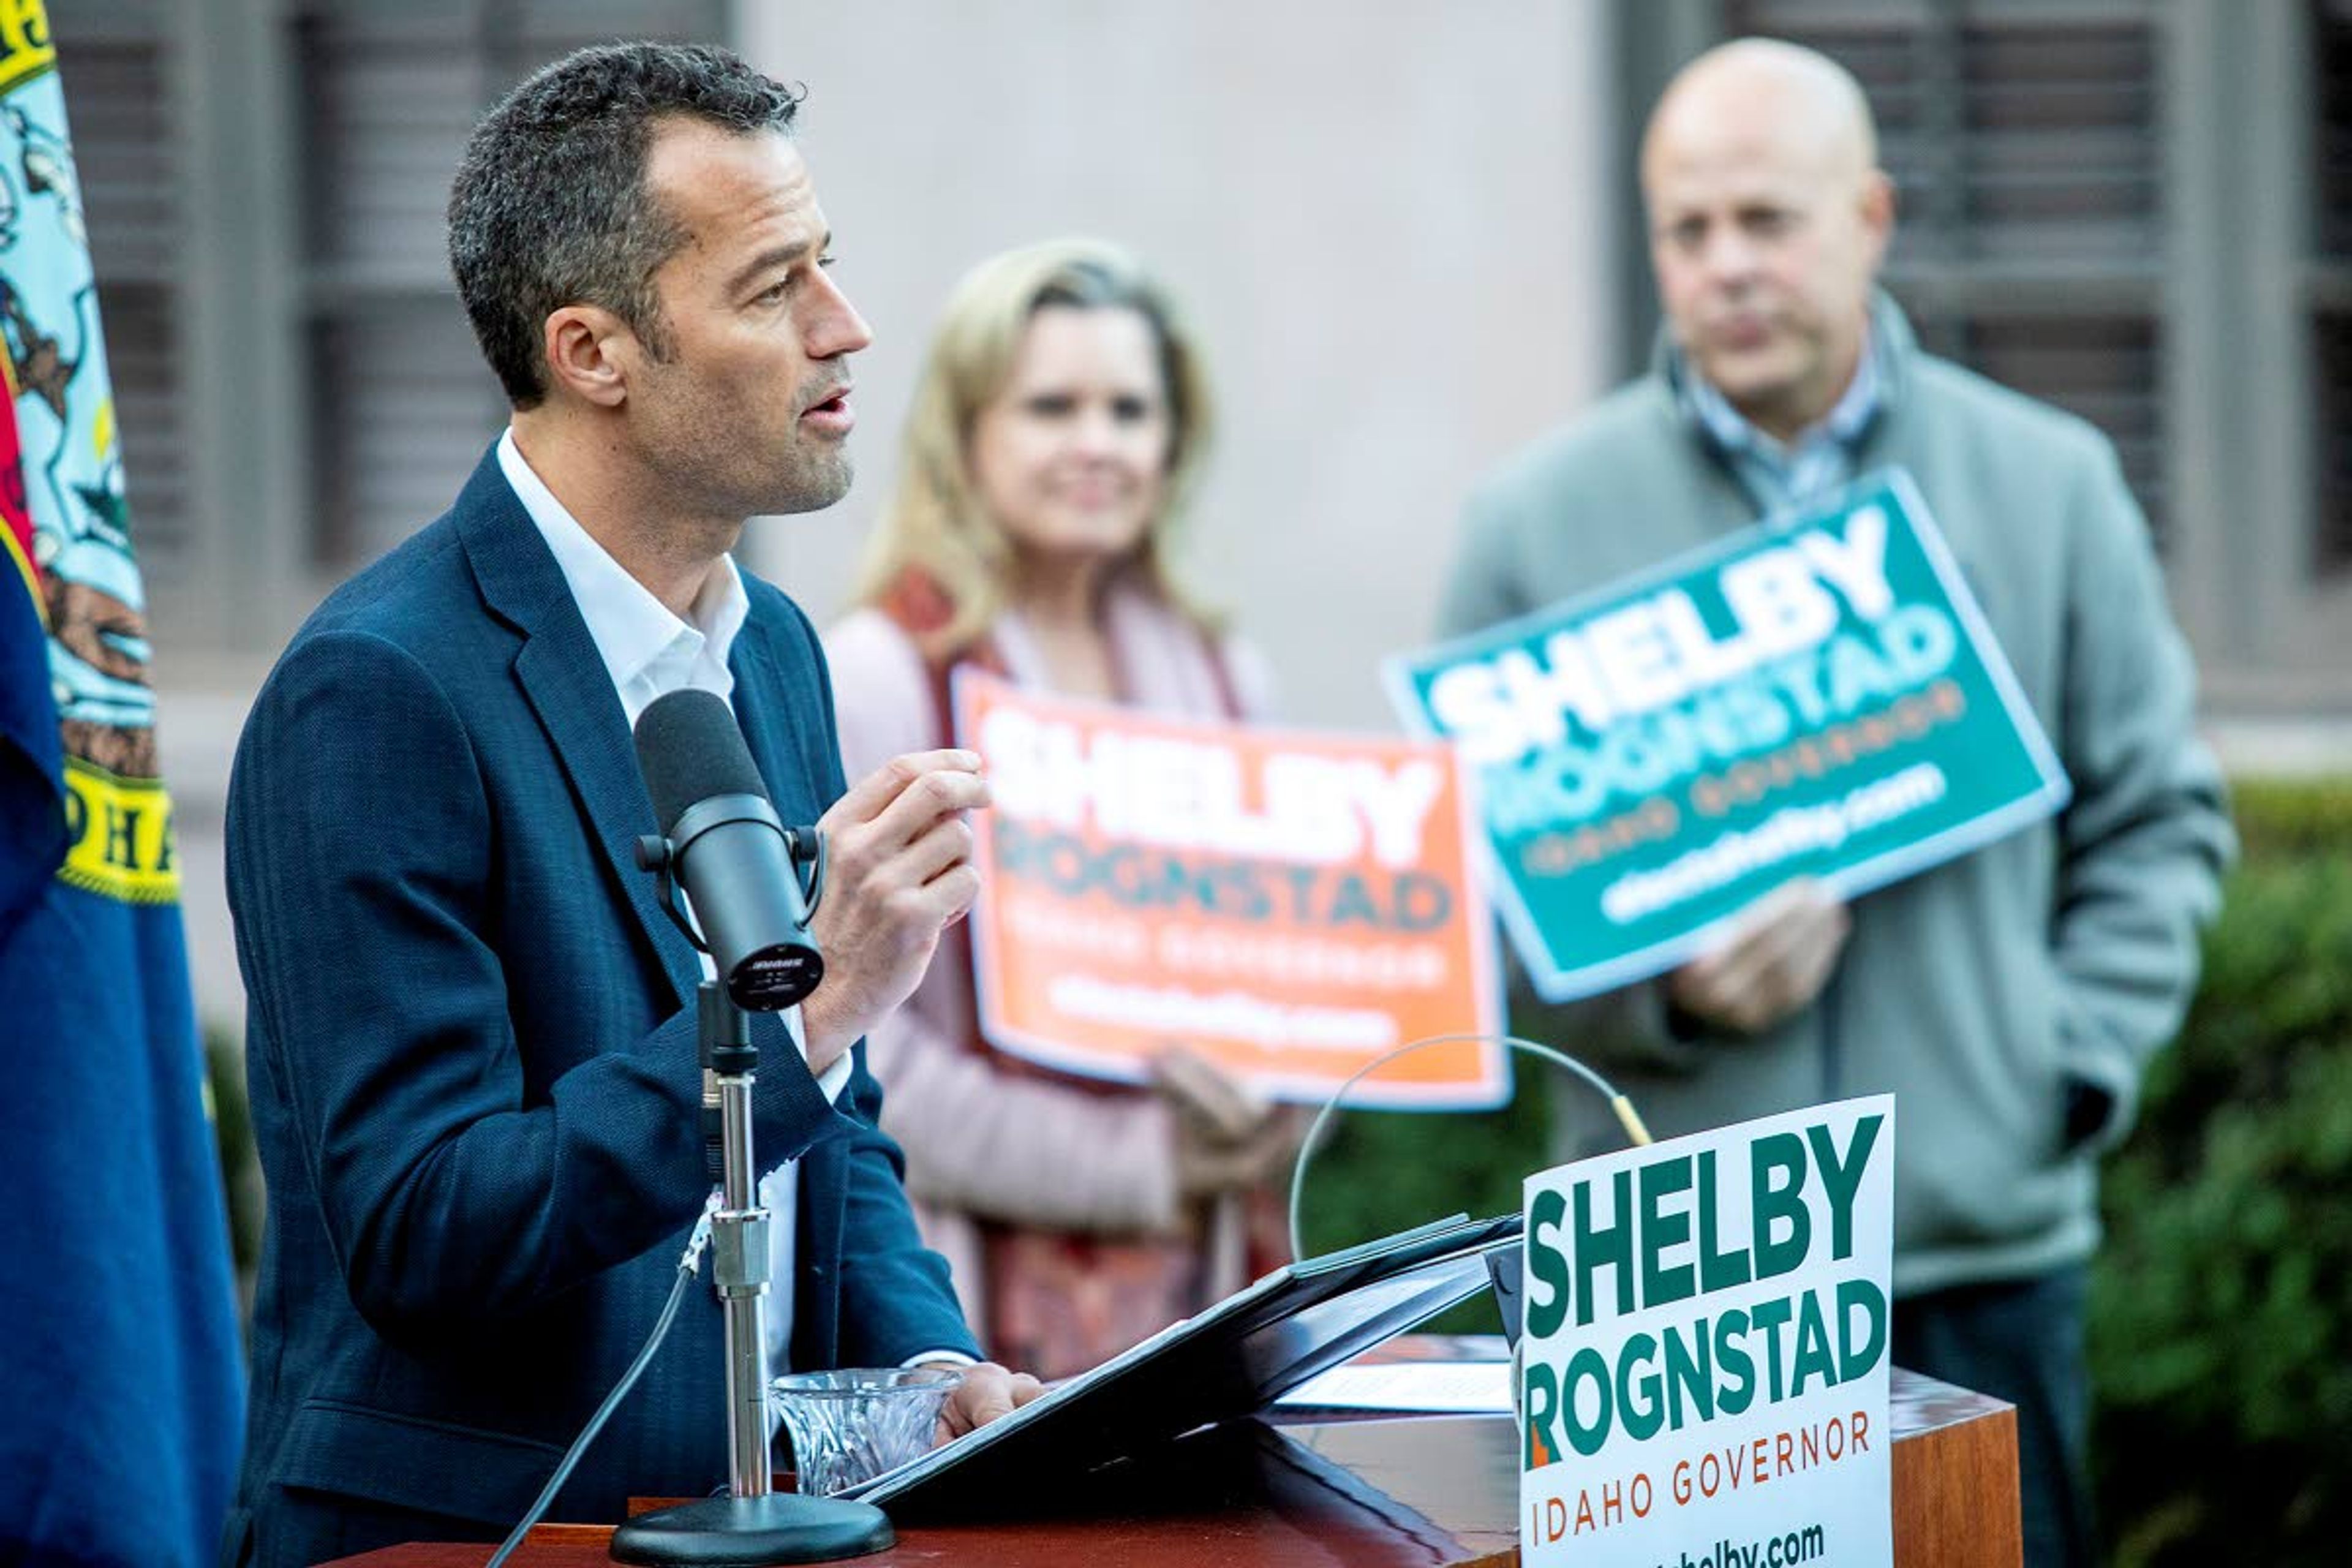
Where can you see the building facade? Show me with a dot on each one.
(1407, 230)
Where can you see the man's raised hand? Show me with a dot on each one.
(899, 872)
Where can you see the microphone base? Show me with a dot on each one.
(754, 1531)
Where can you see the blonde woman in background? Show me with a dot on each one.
(1060, 419)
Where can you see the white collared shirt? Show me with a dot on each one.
(649, 653)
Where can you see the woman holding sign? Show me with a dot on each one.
(1059, 420)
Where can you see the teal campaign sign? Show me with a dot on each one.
(1816, 696)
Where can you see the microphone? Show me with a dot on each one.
(725, 848)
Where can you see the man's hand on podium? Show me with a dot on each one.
(987, 1391)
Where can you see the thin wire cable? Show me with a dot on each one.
(688, 1267)
(1627, 1117)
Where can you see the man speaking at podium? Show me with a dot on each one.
(473, 1047)
(2008, 999)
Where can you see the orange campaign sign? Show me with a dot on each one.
(1291, 906)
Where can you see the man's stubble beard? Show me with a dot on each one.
(816, 486)
(802, 480)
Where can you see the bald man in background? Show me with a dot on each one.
(2010, 999)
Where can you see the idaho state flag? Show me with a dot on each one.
(122, 1389)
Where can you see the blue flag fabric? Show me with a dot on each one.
(122, 1386)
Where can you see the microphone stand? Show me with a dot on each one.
(739, 1241)
(751, 1523)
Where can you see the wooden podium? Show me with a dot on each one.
(1416, 1490)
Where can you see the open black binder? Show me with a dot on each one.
(1231, 1360)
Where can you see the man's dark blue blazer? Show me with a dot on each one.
(473, 1062)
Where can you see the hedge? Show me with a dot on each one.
(2221, 1304)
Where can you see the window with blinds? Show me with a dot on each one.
(2024, 144)
(2331, 338)
(112, 66)
(403, 405)
(2329, 272)
(393, 403)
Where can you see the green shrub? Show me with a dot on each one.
(2221, 1304)
(240, 1166)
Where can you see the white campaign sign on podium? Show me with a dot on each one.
(1705, 1355)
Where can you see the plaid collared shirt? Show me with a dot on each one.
(1821, 457)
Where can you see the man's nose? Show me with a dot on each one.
(1730, 256)
(837, 329)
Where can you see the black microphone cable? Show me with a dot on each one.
(689, 1265)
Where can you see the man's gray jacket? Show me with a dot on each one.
(2009, 1000)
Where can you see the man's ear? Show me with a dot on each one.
(588, 351)
(1878, 211)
